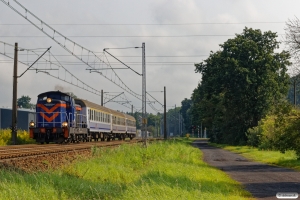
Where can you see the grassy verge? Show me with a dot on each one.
(287, 159)
(164, 170)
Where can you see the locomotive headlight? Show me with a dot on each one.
(49, 100)
(31, 124)
(64, 124)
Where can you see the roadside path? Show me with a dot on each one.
(261, 180)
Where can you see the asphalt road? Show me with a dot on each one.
(261, 180)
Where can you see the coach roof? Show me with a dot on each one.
(86, 103)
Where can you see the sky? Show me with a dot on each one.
(177, 34)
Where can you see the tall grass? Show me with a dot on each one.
(163, 170)
(22, 137)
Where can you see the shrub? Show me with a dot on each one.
(281, 131)
(22, 137)
(253, 136)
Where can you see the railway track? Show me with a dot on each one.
(36, 157)
(20, 151)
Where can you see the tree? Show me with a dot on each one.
(240, 84)
(292, 38)
(24, 102)
(185, 109)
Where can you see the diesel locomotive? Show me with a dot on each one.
(61, 118)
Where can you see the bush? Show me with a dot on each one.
(253, 136)
(262, 136)
(281, 131)
(22, 137)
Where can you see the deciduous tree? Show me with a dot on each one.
(240, 84)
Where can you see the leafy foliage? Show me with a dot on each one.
(185, 112)
(240, 84)
(22, 137)
(281, 131)
(24, 102)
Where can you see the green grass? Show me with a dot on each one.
(163, 170)
(22, 137)
(287, 159)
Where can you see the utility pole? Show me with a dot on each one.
(295, 102)
(14, 120)
(14, 103)
(101, 97)
(144, 120)
(174, 121)
(165, 115)
(201, 130)
(179, 123)
(132, 110)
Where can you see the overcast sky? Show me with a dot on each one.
(177, 34)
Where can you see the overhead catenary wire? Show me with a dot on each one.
(55, 34)
(153, 24)
(126, 36)
(58, 64)
(64, 55)
(84, 87)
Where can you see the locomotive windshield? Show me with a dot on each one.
(54, 96)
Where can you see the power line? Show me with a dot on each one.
(83, 85)
(154, 24)
(71, 62)
(70, 46)
(166, 56)
(124, 36)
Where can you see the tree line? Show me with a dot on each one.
(240, 84)
(246, 95)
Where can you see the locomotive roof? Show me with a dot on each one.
(53, 92)
(86, 103)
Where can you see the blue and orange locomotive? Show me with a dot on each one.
(60, 118)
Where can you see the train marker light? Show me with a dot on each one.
(31, 124)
